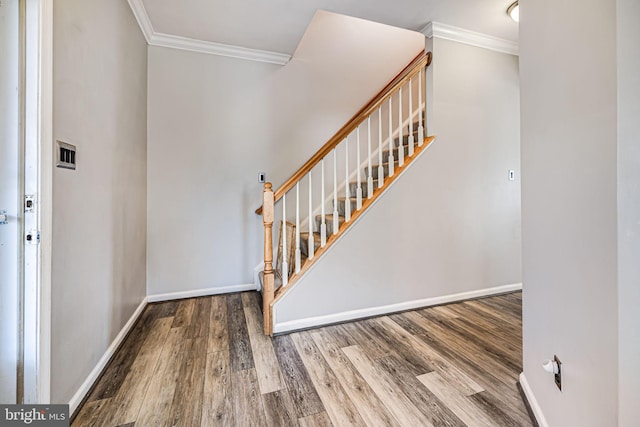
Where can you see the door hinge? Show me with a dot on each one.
(32, 237)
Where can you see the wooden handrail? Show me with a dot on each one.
(421, 60)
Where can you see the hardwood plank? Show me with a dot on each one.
(129, 399)
(337, 403)
(118, 368)
(91, 413)
(264, 358)
(431, 407)
(156, 406)
(218, 329)
(321, 419)
(484, 374)
(186, 407)
(464, 346)
(463, 407)
(163, 309)
(484, 339)
(445, 311)
(279, 410)
(368, 336)
(452, 374)
(498, 411)
(369, 405)
(305, 398)
(240, 354)
(161, 376)
(396, 402)
(216, 401)
(184, 313)
(400, 345)
(199, 326)
(248, 408)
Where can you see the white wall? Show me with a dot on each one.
(215, 123)
(628, 210)
(9, 184)
(569, 207)
(99, 222)
(451, 224)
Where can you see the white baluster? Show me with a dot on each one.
(323, 225)
(420, 127)
(411, 139)
(380, 167)
(347, 191)
(400, 146)
(336, 222)
(311, 241)
(359, 188)
(370, 179)
(391, 159)
(298, 253)
(283, 230)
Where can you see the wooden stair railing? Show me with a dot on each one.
(410, 140)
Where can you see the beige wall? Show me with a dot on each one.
(99, 220)
(216, 122)
(451, 224)
(628, 210)
(569, 207)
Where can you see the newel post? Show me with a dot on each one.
(268, 279)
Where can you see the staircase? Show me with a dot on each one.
(385, 137)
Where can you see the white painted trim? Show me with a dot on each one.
(256, 276)
(201, 292)
(177, 42)
(45, 141)
(461, 35)
(77, 398)
(533, 402)
(140, 13)
(328, 319)
(386, 187)
(193, 45)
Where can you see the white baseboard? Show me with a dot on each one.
(533, 402)
(328, 319)
(201, 292)
(77, 398)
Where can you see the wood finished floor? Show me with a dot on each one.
(205, 362)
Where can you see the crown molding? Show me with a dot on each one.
(177, 42)
(461, 35)
(193, 45)
(137, 7)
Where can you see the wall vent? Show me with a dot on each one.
(66, 155)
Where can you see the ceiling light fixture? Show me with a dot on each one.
(514, 11)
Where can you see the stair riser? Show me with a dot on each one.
(405, 140)
(385, 154)
(353, 186)
(304, 245)
(374, 171)
(342, 204)
(329, 223)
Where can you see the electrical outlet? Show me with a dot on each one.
(558, 376)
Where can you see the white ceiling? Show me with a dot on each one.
(278, 25)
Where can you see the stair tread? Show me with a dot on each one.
(306, 234)
(330, 217)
